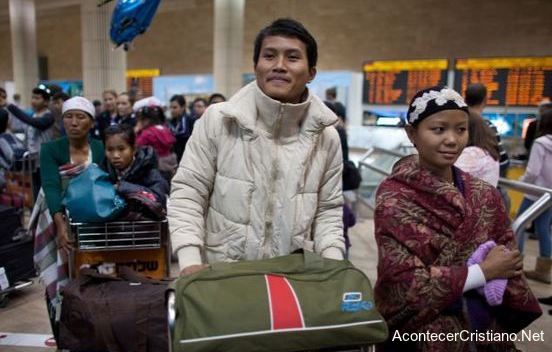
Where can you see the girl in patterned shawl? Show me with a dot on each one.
(448, 262)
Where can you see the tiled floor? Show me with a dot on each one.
(26, 311)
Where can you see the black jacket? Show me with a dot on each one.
(182, 131)
(143, 175)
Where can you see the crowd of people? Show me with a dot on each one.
(261, 175)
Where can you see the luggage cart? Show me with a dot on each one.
(171, 317)
(142, 245)
(20, 183)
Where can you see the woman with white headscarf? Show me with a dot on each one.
(60, 160)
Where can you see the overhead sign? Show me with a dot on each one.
(389, 82)
(517, 81)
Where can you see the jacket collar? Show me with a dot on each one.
(253, 110)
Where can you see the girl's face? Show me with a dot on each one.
(439, 139)
(109, 101)
(123, 105)
(118, 152)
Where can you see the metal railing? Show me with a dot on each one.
(543, 203)
(368, 161)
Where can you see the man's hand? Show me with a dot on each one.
(192, 269)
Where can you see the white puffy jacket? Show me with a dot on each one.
(258, 179)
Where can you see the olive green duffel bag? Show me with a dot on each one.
(292, 303)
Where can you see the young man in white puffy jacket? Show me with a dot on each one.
(261, 174)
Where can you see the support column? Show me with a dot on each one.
(228, 45)
(24, 53)
(103, 67)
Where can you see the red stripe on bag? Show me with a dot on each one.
(285, 312)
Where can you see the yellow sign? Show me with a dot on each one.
(406, 65)
(143, 73)
(504, 62)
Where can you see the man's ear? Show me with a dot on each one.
(312, 73)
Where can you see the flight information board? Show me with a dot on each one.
(521, 81)
(396, 82)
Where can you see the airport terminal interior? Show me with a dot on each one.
(165, 65)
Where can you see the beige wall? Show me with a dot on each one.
(58, 38)
(351, 31)
(6, 71)
(179, 41)
(348, 32)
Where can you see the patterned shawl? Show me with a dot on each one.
(50, 262)
(426, 229)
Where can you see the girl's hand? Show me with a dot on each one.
(502, 264)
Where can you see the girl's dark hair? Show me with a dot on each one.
(545, 124)
(126, 132)
(152, 115)
(482, 136)
(112, 92)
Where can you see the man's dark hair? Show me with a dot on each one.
(198, 100)
(151, 115)
(3, 120)
(126, 132)
(96, 103)
(60, 95)
(3, 91)
(475, 94)
(545, 123)
(43, 92)
(543, 108)
(286, 27)
(331, 93)
(54, 88)
(215, 96)
(179, 98)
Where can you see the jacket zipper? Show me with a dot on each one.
(269, 230)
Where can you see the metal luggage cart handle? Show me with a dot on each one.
(171, 316)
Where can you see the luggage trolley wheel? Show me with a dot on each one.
(4, 294)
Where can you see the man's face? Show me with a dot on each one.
(57, 105)
(3, 99)
(282, 70)
(38, 102)
(176, 109)
(199, 108)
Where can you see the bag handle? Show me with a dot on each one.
(128, 274)
(312, 260)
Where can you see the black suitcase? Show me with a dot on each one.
(10, 223)
(17, 260)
